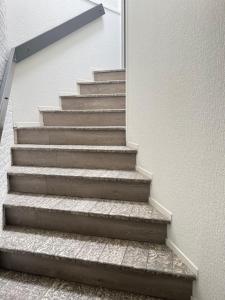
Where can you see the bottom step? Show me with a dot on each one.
(143, 268)
(22, 286)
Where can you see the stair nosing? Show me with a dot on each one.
(94, 149)
(110, 71)
(94, 95)
(101, 82)
(85, 128)
(82, 111)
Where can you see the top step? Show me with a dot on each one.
(102, 75)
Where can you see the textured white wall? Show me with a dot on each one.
(40, 78)
(3, 42)
(176, 113)
(7, 136)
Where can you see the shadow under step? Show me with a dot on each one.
(103, 75)
(59, 135)
(102, 87)
(100, 117)
(103, 184)
(149, 269)
(72, 102)
(61, 156)
(95, 217)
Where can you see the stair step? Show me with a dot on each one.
(113, 219)
(35, 287)
(102, 87)
(102, 75)
(65, 135)
(114, 101)
(65, 156)
(104, 184)
(98, 117)
(145, 268)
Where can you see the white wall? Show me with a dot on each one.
(7, 135)
(40, 78)
(176, 113)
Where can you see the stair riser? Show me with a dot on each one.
(84, 119)
(109, 276)
(71, 137)
(93, 103)
(74, 159)
(79, 187)
(105, 88)
(104, 76)
(85, 224)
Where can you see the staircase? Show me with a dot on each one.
(78, 210)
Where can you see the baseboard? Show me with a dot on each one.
(164, 211)
(144, 172)
(183, 257)
(132, 145)
(26, 124)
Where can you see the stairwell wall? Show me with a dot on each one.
(42, 77)
(176, 114)
(7, 136)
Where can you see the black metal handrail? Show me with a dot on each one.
(36, 44)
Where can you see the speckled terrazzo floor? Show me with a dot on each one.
(20, 286)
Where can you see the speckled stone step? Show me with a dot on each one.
(97, 117)
(113, 101)
(113, 219)
(145, 268)
(23, 286)
(65, 156)
(103, 184)
(59, 135)
(102, 87)
(102, 75)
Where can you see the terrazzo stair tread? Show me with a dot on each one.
(114, 219)
(23, 286)
(102, 87)
(91, 183)
(109, 75)
(145, 268)
(71, 135)
(85, 148)
(93, 101)
(126, 176)
(101, 82)
(97, 117)
(74, 156)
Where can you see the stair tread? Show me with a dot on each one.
(93, 95)
(84, 111)
(44, 288)
(134, 211)
(116, 128)
(121, 254)
(101, 82)
(109, 71)
(121, 149)
(82, 173)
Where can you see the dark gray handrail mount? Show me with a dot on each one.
(36, 44)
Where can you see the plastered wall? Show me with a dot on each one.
(176, 114)
(7, 136)
(41, 78)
